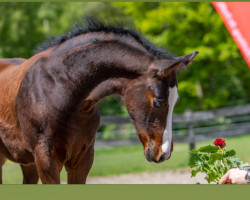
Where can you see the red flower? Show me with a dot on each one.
(220, 142)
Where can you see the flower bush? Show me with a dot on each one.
(214, 161)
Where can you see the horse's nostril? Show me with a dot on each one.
(162, 158)
(152, 158)
(148, 155)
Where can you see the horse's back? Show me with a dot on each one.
(14, 61)
(10, 62)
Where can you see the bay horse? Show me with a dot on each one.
(48, 104)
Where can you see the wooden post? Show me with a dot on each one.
(191, 136)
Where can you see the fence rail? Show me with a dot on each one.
(197, 126)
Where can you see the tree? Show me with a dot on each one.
(24, 25)
(219, 75)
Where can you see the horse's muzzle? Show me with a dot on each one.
(149, 154)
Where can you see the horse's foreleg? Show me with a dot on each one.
(30, 175)
(2, 160)
(47, 166)
(79, 173)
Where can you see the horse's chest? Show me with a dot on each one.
(78, 136)
(79, 141)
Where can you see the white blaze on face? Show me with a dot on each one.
(167, 135)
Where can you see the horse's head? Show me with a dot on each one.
(150, 100)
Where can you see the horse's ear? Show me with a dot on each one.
(176, 64)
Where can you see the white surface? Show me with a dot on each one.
(162, 177)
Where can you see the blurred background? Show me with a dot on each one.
(214, 92)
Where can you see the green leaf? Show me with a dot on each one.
(205, 157)
(225, 169)
(196, 170)
(209, 149)
(211, 177)
(193, 151)
(208, 179)
(228, 162)
(230, 153)
(195, 160)
(216, 156)
(233, 159)
(211, 161)
(241, 164)
(245, 165)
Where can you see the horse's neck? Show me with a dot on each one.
(105, 68)
(106, 88)
(110, 56)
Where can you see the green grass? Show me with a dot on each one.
(122, 160)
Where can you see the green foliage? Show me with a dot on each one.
(213, 161)
(219, 75)
(209, 149)
(230, 153)
(24, 25)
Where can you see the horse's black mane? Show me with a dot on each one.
(96, 25)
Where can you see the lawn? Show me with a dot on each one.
(130, 159)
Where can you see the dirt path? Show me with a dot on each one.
(163, 177)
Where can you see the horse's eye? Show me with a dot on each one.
(157, 104)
